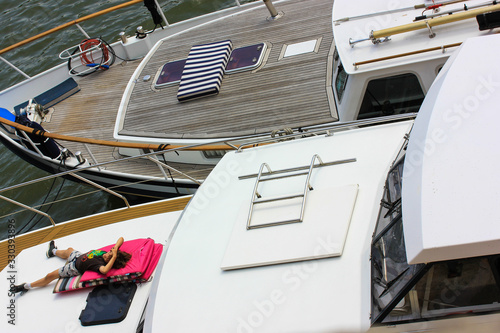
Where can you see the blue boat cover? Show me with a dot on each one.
(203, 71)
(54, 95)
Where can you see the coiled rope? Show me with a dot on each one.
(94, 54)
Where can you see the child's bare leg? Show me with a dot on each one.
(64, 254)
(46, 280)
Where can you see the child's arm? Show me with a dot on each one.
(105, 269)
(119, 243)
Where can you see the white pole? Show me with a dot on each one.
(17, 69)
(161, 13)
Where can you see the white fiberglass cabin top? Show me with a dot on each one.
(451, 179)
(226, 271)
(388, 53)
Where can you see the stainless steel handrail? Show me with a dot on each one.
(29, 208)
(172, 169)
(325, 129)
(83, 179)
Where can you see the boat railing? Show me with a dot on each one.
(77, 22)
(151, 156)
(237, 144)
(327, 129)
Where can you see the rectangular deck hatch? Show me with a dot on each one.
(322, 233)
(246, 58)
(170, 73)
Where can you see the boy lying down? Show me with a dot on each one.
(78, 263)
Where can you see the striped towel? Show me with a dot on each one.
(203, 71)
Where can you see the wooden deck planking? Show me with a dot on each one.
(92, 113)
(274, 95)
(60, 230)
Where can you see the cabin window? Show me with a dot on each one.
(211, 154)
(391, 202)
(450, 288)
(403, 292)
(391, 95)
(340, 82)
(391, 273)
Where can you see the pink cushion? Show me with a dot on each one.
(145, 256)
(141, 251)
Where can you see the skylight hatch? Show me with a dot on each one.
(242, 59)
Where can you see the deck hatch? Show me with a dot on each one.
(322, 234)
(241, 59)
(246, 58)
(309, 46)
(170, 73)
(257, 198)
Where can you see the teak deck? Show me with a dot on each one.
(284, 92)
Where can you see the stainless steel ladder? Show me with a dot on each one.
(257, 198)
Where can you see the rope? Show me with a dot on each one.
(281, 132)
(94, 53)
(87, 45)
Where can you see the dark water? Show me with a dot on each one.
(26, 18)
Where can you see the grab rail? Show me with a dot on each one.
(326, 129)
(29, 208)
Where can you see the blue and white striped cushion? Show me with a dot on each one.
(203, 71)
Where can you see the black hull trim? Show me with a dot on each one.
(134, 189)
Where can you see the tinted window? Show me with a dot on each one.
(340, 82)
(391, 95)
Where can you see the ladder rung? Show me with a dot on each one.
(272, 224)
(279, 198)
(284, 176)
